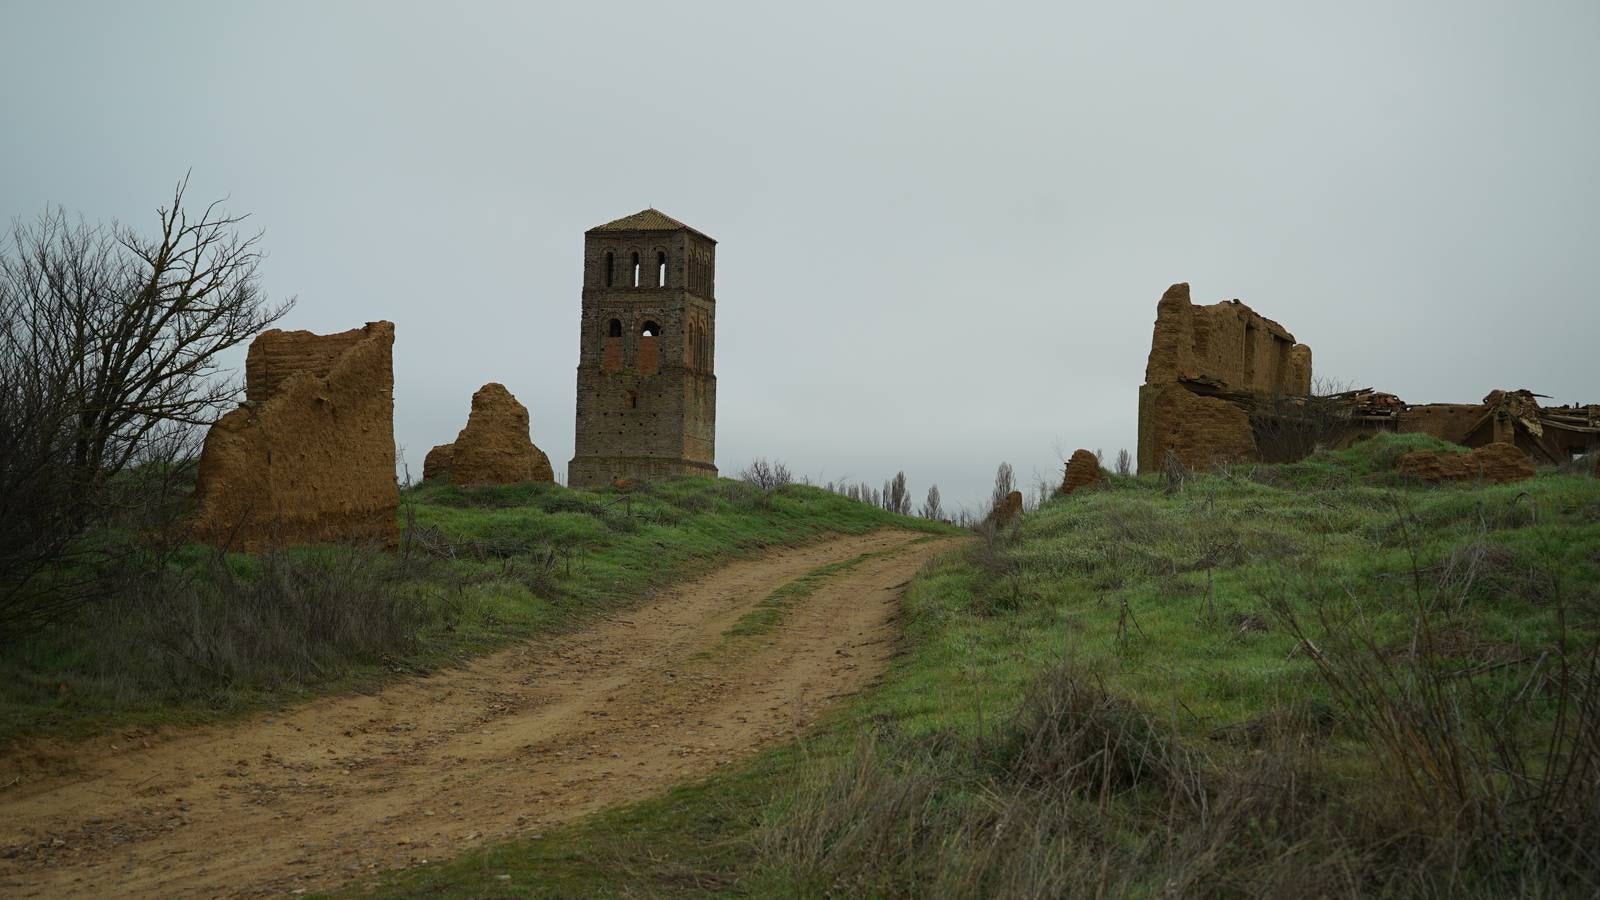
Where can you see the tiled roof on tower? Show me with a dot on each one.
(647, 220)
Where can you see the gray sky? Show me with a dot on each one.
(943, 228)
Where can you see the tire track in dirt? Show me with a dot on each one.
(542, 733)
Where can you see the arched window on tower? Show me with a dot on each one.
(636, 270)
(611, 347)
(649, 351)
(661, 268)
(611, 267)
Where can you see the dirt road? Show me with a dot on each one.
(532, 736)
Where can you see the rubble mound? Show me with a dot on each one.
(494, 448)
(1006, 510)
(309, 456)
(436, 465)
(1083, 470)
(1497, 463)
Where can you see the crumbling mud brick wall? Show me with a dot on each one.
(1493, 463)
(1228, 343)
(1209, 366)
(1446, 421)
(494, 447)
(436, 465)
(1549, 435)
(1083, 470)
(1006, 511)
(309, 456)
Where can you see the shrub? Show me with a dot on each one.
(286, 617)
(766, 476)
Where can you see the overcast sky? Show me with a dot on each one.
(943, 228)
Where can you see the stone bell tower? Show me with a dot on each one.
(647, 391)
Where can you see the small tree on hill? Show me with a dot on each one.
(1004, 484)
(930, 507)
(766, 476)
(899, 496)
(1124, 462)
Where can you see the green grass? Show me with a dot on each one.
(210, 636)
(1157, 640)
(770, 612)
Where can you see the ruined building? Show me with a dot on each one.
(1544, 434)
(647, 395)
(309, 456)
(1210, 368)
(1224, 385)
(494, 447)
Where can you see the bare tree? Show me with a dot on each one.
(108, 362)
(1004, 484)
(898, 495)
(766, 476)
(930, 507)
(1290, 427)
(1124, 462)
(1043, 490)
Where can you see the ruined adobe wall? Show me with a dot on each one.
(1451, 422)
(276, 355)
(493, 448)
(1227, 342)
(1228, 347)
(309, 456)
(1202, 432)
(1493, 463)
(1082, 471)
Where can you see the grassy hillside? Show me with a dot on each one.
(1277, 680)
(207, 635)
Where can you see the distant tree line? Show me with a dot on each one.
(895, 493)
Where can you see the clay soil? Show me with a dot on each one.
(513, 743)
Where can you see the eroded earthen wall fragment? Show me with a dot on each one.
(494, 447)
(436, 465)
(1201, 432)
(309, 457)
(1006, 511)
(1226, 343)
(1209, 366)
(1083, 470)
(1446, 421)
(1495, 463)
